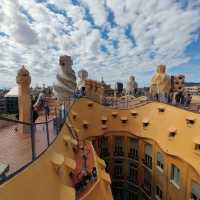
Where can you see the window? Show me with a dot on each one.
(118, 193)
(103, 145)
(160, 161)
(119, 142)
(195, 194)
(133, 174)
(159, 193)
(133, 149)
(147, 182)
(118, 169)
(148, 156)
(175, 175)
(132, 193)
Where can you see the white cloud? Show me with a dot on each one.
(19, 29)
(160, 32)
(97, 10)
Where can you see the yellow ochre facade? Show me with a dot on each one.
(151, 152)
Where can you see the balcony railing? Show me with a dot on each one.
(118, 152)
(147, 187)
(133, 156)
(104, 153)
(147, 161)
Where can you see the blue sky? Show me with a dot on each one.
(110, 38)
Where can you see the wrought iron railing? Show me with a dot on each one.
(128, 102)
(22, 143)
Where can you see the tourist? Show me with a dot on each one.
(94, 173)
(182, 99)
(17, 116)
(77, 93)
(72, 176)
(177, 98)
(174, 98)
(86, 178)
(170, 97)
(78, 187)
(162, 97)
(83, 91)
(46, 109)
(63, 111)
(35, 115)
(188, 100)
(34, 118)
(40, 101)
(156, 97)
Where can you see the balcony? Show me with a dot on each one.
(147, 161)
(118, 153)
(133, 180)
(146, 187)
(104, 153)
(133, 154)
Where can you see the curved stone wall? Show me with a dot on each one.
(169, 130)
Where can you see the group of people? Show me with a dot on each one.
(87, 177)
(175, 98)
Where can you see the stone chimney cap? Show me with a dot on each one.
(23, 71)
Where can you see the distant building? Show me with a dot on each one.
(193, 90)
(3, 92)
(2, 105)
(11, 101)
(37, 90)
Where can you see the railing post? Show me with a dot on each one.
(33, 140)
(32, 127)
(56, 121)
(47, 129)
(69, 102)
(64, 109)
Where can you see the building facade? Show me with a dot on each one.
(151, 152)
(141, 170)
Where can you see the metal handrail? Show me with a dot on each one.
(58, 125)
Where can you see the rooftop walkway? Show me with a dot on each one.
(15, 146)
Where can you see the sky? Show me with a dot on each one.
(112, 39)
